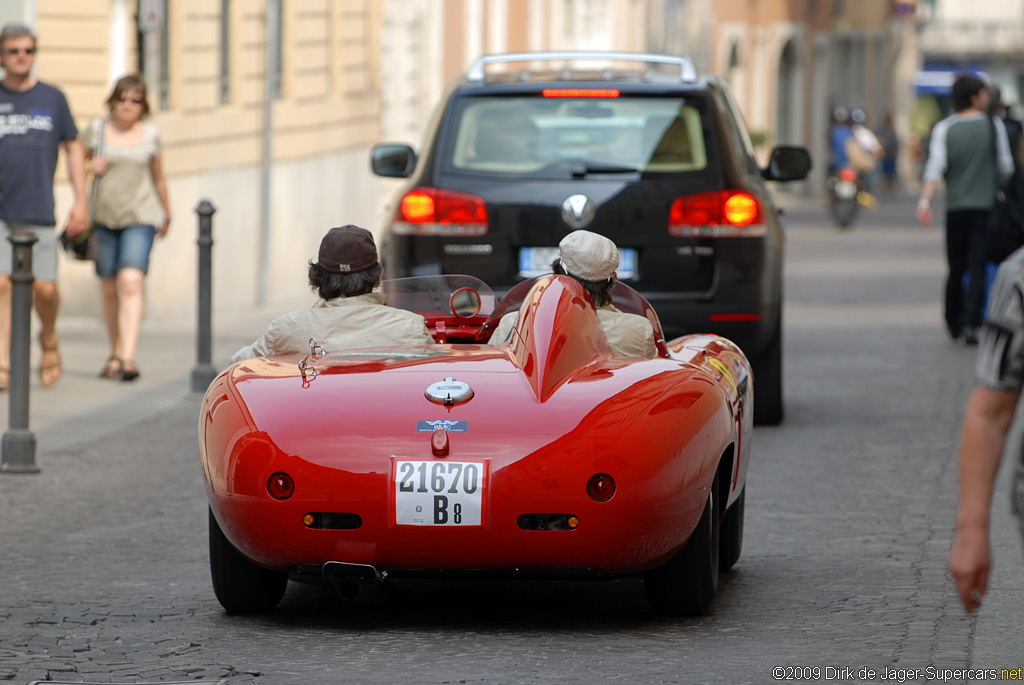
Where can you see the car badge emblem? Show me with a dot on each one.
(578, 211)
(449, 392)
(443, 424)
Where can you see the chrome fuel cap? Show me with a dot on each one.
(449, 392)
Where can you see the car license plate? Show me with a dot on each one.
(439, 493)
(536, 261)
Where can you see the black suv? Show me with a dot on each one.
(637, 147)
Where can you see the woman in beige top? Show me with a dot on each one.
(129, 209)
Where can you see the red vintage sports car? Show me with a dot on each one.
(546, 456)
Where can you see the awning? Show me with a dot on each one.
(937, 79)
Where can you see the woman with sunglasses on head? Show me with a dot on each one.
(130, 208)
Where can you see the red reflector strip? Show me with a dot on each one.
(735, 317)
(580, 92)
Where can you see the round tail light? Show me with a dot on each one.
(601, 487)
(281, 486)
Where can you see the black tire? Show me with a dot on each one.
(767, 368)
(685, 584)
(731, 540)
(844, 211)
(241, 586)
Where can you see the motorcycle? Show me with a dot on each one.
(848, 195)
(845, 186)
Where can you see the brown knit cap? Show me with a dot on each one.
(347, 249)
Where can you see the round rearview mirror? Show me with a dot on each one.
(465, 303)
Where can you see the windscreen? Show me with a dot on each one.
(544, 137)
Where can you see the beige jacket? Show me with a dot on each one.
(629, 335)
(340, 324)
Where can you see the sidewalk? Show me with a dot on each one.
(82, 406)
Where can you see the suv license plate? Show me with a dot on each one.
(439, 493)
(536, 261)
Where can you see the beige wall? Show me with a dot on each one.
(841, 53)
(323, 125)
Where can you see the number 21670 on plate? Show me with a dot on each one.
(439, 493)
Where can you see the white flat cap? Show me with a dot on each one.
(588, 256)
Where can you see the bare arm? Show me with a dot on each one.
(156, 169)
(924, 203)
(78, 220)
(986, 422)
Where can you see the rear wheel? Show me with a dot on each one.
(767, 370)
(685, 584)
(241, 586)
(844, 211)
(732, 533)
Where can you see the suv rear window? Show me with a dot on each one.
(545, 138)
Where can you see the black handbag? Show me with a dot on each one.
(1006, 220)
(1005, 229)
(82, 247)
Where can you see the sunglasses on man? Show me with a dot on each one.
(15, 51)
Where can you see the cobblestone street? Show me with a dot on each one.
(104, 575)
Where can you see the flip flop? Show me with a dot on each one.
(50, 373)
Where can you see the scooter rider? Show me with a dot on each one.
(841, 132)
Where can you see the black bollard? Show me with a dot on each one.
(18, 448)
(204, 372)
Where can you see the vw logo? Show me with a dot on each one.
(578, 211)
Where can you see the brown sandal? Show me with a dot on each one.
(50, 373)
(112, 369)
(5, 378)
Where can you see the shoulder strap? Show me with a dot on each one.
(995, 151)
(101, 126)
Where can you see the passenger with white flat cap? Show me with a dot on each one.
(591, 259)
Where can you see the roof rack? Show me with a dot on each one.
(687, 72)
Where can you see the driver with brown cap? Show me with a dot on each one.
(591, 259)
(348, 314)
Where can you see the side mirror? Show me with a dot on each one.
(465, 303)
(788, 163)
(392, 160)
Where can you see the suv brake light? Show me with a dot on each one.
(432, 211)
(717, 214)
(580, 92)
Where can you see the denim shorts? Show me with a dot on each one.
(122, 248)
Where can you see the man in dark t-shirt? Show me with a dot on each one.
(35, 121)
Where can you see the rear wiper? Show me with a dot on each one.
(582, 169)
